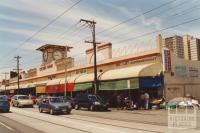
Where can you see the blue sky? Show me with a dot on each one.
(19, 19)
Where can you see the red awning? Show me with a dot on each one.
(59, 88)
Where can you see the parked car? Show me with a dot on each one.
(68, 99)
(92, 102)
(21, 101)
(39, 99)
(54, 105)
(4, 103)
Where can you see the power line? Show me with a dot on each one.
(149, 33)
(133, 18)
(159, 13)
(183, 12)
(44, 27)
(130, 19)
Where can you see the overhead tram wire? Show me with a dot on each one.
(44, 27)
(160, 13)
(72, 32)
(156, 31)
(130, 19)
(75, 32)
(183, 12)
(133, 18)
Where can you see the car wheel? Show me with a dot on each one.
(52, 112)
(91, 107)
(68, 112)
(18, 105)
(76, 107)
(40, 110)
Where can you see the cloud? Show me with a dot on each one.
(26, 17)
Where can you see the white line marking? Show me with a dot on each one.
(7, 126)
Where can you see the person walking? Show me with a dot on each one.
(146, 98)
(119, 102)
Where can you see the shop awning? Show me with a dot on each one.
(13, 87)
(24, 86)
(62, 81)
(30, 85)
(144, 70)
(53, 82)
(85, 78)
(41, 83)
(71, 79)
(120, 84)
(82, 86)
(41, 89)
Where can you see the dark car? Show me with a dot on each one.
(54, 105)
(92, 102)
(4, 103)
(68, 99)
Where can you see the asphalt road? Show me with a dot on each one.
(83, 121)
(8, 125)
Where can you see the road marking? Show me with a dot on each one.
(7, 126)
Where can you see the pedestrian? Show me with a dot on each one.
(142, 101)
(119, 102)
(146, 98)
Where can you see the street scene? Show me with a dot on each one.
(115, 66)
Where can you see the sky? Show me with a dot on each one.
(124, 23)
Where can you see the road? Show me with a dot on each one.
(83, 121)
(8, 125)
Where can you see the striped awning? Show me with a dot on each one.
(144, 70)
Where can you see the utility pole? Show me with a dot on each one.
(17, 59)
(5, 73)
(91, 25)
(65, 71)
(67, 48)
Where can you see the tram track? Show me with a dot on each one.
(95, 122)
(125, 120)
(114, 124)
(122, 120)
(50, 122)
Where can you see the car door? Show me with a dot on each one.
(85, 101)
(47, 104)
(43, 104)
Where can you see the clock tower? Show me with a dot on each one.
(52, 52)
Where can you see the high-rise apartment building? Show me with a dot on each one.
(186, 46)
(195, 49)
(175, 44)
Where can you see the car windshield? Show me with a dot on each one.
(93, 98)
(3, 97)
(23, 97)
(56, 100)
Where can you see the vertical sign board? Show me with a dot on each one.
(166, 55)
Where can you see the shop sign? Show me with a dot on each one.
(166, 60)
(134, 61)
(46, 67)
(180, 71)
(193, 72)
